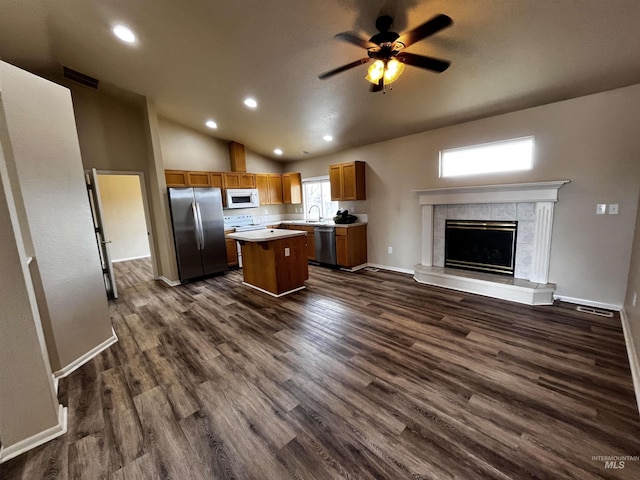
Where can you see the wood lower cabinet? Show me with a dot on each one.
(311, 239)
(347, 181)
(291, 188)
(232, 250)
(351, 246)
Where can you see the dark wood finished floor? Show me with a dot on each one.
(364, 375)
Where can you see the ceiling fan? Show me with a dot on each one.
(386, 49)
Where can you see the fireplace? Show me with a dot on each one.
(486, 246)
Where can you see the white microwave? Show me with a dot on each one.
(242, 198)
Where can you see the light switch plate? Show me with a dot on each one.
(287, 252)
(613, 209)
(601, 208)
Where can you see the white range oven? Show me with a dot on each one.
(242, 198)
(241, 223)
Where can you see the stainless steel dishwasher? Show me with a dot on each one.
(325, 239)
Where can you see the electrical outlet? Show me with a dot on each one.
(287, 252)
(266, 211)
(613, 209)
(390, 249)
(633, 301)
(601, 209)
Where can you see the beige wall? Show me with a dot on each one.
(633, 292)
(591, 141)
(28, 404)
(46, 175)
(124, 219)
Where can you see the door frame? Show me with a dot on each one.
(147, 212)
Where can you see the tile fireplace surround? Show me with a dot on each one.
(531, 204)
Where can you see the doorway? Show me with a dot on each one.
(127, 227)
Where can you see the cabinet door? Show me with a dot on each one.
(342, 250)
(275, 188)
(216, 180)
(262, 184)
(231, 180)
(232, 252)
(335, 179)
(247, 180)
(198, 179)
(176, 178)
(292, 187)
(311, 246)
(286, 188)
(348, 181)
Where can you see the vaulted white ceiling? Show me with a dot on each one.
(198, 59)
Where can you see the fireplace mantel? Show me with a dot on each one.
(543, 194)
(509, 192)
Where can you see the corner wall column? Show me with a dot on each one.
(427, 235)
(542, 243)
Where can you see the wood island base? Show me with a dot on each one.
(275, 266)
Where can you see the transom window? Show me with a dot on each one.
(504, 156)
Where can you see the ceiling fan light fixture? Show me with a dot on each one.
(393, 70)
(375, 72)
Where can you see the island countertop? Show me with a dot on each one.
(266, 235)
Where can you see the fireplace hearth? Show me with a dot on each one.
(481, 245)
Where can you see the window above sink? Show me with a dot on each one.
(317, 193)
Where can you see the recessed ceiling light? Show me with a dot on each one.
(250, 102)
(277, 151)
(211, 124)
(327, 138)
(124, 33)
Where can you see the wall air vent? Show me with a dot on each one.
(76, 76)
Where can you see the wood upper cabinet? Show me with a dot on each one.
(216, 180)
(176, 178)
(351, 246)
(239, 180)
(347, 181)
(269, 187)
(275, 188)
(292, 188)
(198, 179)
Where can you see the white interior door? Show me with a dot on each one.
(101, 234)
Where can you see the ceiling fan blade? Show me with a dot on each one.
(341, 69)
(377, 87)
(355, 39)
(428, 28)
(421, 61)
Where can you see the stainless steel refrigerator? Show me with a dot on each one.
(198, 231)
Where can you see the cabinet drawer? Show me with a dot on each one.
(341, 231)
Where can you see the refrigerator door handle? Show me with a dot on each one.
(196, 221)
(201, 226)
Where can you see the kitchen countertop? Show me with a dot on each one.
(321, 224)
(266, 234)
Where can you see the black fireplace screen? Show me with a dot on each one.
(485, 246)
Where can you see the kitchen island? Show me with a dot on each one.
(274, 261)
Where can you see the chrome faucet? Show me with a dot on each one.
(315, 206)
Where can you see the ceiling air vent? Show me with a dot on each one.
(71, 74)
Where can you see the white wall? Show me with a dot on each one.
(124, 219)
(46, 175)
(591, 141)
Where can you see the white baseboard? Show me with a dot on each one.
(171, 283)
(634, 361)
(73, 366)
(130, 258)
(588, 303)
(391, 269)
(12, 451)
